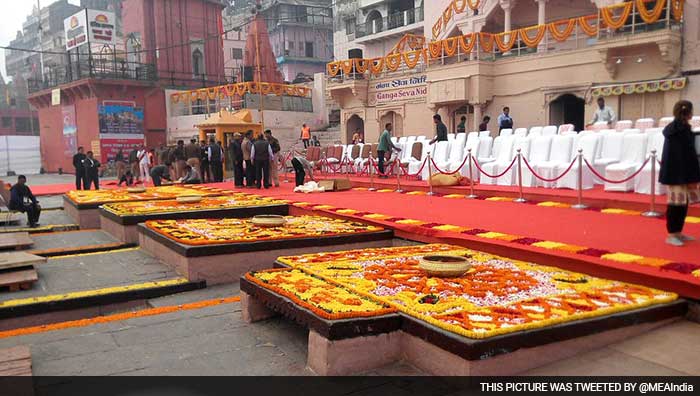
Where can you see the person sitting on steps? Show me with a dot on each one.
(22, 200)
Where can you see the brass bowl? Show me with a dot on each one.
(136, 190)
(444, 265)
(268, 221)
(190, 199)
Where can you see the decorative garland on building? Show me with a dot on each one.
(535, 41)
(562, 35)
(607, 13)
(241, 89)
(653, 15)
(640, 87)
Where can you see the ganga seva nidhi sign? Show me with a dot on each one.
(401, 89)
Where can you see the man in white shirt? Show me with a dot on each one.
(603, 114)
(144, 164)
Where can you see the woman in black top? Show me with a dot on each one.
(680, 171)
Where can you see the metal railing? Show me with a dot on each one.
(248, 101)
(109, 67)
(391, 22)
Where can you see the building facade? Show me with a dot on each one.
(545, 59)
(301, 34)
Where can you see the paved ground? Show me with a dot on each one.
(71, 239)
(89, 272)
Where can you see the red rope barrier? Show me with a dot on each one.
(544, 179)
(494, 176)
(425, 161)
(625, 180)
(449, 173)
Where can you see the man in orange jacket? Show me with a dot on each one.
(305, 135)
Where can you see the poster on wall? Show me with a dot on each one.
(121, 127)
(70, 131)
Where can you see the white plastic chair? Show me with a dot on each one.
(473, 143)
(663, 121)
(633, 153)
(421, 138)
(450, 137)
(695, 122)
(560, 154)
(653, 131)
(506, 132)
(622, 125)
(631, 130)
(484, 133)
(535, 131)
(510, 178)
(439, 157)
(643, 182)
(549, 130)
(539, 153)
(600, 125)
(415, 164)
(505, 156)
(403, 139)
(563, 128)
(490, 149)
(611, 153)
(589, 146)
(394, 139)
(644, 123)
(456, 152)
(521, 132)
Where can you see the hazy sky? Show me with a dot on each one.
(11, 18)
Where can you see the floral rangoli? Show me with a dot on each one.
(223, 231)
(233, 201)
(497, 296)
(87, 197)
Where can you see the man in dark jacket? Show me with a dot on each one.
(160, 172)
(22, 200)
(237, 159)
(276, 157)
(680, 172)
(78, 159)
(92, 171)
(204, 169)
(247, 146)
(261, 155)
(179, 159)
(193, 153)
(216, 157)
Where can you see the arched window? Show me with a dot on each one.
(374, 22)
(197, 62)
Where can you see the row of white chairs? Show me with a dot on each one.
(644, 123)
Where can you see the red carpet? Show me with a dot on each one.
(616, 233)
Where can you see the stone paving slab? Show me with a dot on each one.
(71, 239)
(95, 271)
(48, 217)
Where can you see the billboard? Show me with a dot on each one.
(70, 131)
(90, 26)
(120, 121)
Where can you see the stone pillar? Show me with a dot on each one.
(507, 6)
(541, 20)
(477, 116)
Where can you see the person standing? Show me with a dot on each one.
(603, 114)
(385, 145)
(160, 172)
(462, 126)
(484, 126)
(22, 200)
(215, 154)
(315, 142)
(144, 164)
(92, 171)
(134, 163)
(261, 155)
(357, 136)
(247, 147)
(179, 159)
(78, 159)
(276, 157)
(204, 169)
(505, 121)
(440, 130)
(237, 159)
(680, 172)
(305, 135)
(120, 162)
(192, 153)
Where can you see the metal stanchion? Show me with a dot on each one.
(371, 174)
(652, 210)
(397, 166)
(430, 175)
(580, 204)
(520, 198)
(347, 168)
(471, 176)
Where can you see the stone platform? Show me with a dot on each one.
(125, 229)
(225, 261)
(365, 310)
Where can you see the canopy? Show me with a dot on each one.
(225, 122)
